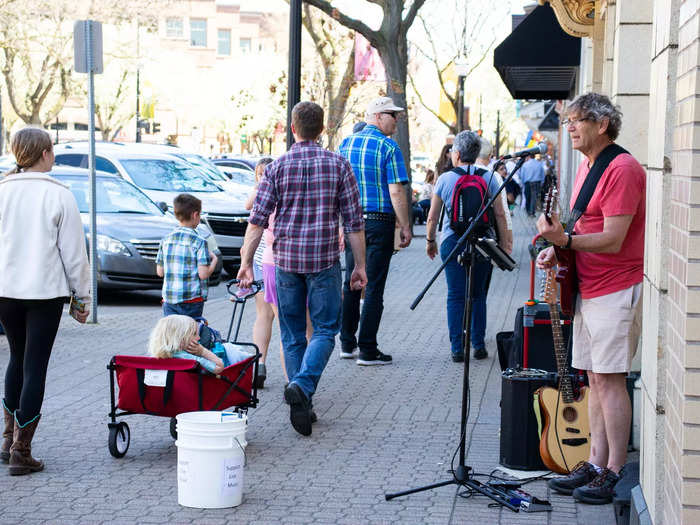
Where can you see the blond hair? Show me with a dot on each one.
(170, 335)
(28, 146)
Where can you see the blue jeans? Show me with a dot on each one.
(321, 291)
(532, 191)
(456, 276)
(191, 309)
(379, 242)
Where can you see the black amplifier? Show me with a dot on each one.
(520, 440)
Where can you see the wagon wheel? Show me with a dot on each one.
(173, 427)
(119, 438)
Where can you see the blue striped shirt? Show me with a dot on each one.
(376, 161)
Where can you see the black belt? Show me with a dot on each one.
(379, 216)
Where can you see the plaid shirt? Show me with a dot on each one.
(180, 254)
(377, 162)
(309, 187)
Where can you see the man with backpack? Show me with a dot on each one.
(463, 191)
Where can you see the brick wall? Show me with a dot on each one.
(681, 486)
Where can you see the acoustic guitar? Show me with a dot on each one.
(566, 436)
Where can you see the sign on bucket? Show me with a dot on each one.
(210, 459)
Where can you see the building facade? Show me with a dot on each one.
(644, 54)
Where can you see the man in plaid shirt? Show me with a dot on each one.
(309, 187)
(184, 261)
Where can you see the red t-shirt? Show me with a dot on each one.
(620, 191)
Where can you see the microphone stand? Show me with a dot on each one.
(463, 475)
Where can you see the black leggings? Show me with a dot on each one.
(31, 327)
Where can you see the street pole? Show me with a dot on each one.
(294, 87)
(480, 100)
(138, 79)
(460, 103)
(2, 130)
(498, 132)
(91, 167)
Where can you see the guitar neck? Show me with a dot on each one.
(560, 354)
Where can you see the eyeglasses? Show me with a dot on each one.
(574, 121)
(392, 114)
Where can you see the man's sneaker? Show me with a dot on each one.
(480, 353)
(299, 413)
(582, 474)
(347, 354)
(376, 359)
(458, 357)
(600, 490)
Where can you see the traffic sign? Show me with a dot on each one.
(87, 46)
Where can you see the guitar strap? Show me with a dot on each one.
(589, 185)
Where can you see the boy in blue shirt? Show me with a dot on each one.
(184, 261)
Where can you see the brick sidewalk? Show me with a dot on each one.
(380, 429)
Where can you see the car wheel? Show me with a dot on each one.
(231, 268)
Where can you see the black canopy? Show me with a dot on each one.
(538, 60)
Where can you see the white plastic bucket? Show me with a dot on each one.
(210, 459)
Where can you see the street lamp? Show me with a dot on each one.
(461, 69)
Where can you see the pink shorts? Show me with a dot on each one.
(269, 283)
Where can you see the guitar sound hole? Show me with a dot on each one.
(569, 414)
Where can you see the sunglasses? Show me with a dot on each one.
(392, 114)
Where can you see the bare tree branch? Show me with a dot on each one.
(352, 23)
(411, 15)
(417, 91)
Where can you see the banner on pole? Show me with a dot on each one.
(368, 63)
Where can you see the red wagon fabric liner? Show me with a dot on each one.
(187, 386)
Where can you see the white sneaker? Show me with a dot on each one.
(348, 355)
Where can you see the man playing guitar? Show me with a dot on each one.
(608, 244)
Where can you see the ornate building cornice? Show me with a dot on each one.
(574, 16)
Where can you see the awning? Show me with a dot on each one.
(538, 60)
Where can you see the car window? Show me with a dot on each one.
(208, 168)
(72, 159)
(102, 164)
(240, 176)
(167, 175)
(113, 196)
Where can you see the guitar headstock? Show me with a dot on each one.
(549, 295)
(551, 201)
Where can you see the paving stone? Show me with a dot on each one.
(381, 429)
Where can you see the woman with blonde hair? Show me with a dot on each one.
(43, 261)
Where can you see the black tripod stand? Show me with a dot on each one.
(466, 249)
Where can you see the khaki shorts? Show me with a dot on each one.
(606, 331)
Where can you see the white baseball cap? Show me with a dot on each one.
(382, 105)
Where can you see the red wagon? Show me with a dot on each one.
(168, 387)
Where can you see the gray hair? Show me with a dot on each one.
(486, 148)
(597, 107)
(468, 145)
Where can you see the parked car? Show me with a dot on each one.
(130, 227)
(211, 171)
(244, 180)
(162, 177)
(237, 161)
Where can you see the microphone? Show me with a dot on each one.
(541, 148)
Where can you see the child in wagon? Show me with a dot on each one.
(178, 336)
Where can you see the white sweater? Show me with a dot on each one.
(42, 242)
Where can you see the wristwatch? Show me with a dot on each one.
(567, 246)
(429, 240)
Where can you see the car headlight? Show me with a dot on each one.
(111, 245)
